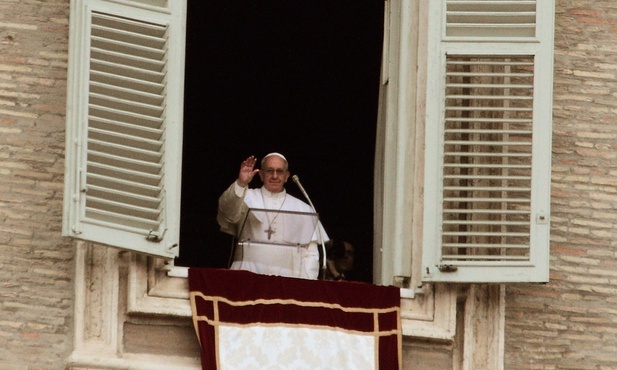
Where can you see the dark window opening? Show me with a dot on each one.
(300, 77)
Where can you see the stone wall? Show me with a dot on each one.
(571, 323)
(36, 304)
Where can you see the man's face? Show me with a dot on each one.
(345, 263)
(274, 174)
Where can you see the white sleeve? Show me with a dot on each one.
(231, 208)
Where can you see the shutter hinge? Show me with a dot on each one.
(447, 268)
(154, 237)
(402, 281)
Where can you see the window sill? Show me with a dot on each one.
(160, 289)
(156, 288)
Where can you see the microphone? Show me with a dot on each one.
(323, 245)
(297, 181)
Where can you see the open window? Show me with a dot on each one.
(462, 170)
(124, 124)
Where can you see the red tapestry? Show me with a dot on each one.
(249, 321)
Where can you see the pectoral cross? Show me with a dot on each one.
(269, 231)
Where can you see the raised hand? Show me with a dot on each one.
(247, 171)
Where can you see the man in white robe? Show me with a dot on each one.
(273, 242)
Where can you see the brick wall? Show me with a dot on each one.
(571, 323)
(35, 262)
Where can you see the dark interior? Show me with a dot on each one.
(299, 77)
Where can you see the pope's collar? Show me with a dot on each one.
(268, 194)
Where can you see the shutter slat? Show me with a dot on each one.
(487, 4)
(492, 223)
(480, 245)
(487, 177)
(126, 127)
(469, 259)
(487, 188)
(128, 24)
(505, 13)
(120, 220)
(479, 86)
(130, 163)
(148, 156)
(147, 213)
(490, 19)
(134, 39)
(490, 24)
(489, 109)
(485, 131)
(129, 43)
(490, 97)
(487, 233)
(486, 200)
(102, 112)
(128, 186)
(486, 120)
(126, 60)
(142, 200)
(487, 211)
(142, 187)
(113, 172)
(141, 71)
(138, 75)
(481, 154)
(114, 193)
(122, 137)
(117, 104)
(127, 94)
(489, 143)
(490, 166)
(507, 61)
(491, 74)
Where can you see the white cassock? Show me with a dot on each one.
(282, 252)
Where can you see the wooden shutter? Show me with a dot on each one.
(124, 124)
(488, 139)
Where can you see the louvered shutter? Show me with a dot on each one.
(124, 124)
(488, 141)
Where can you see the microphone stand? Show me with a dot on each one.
(323, 245)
